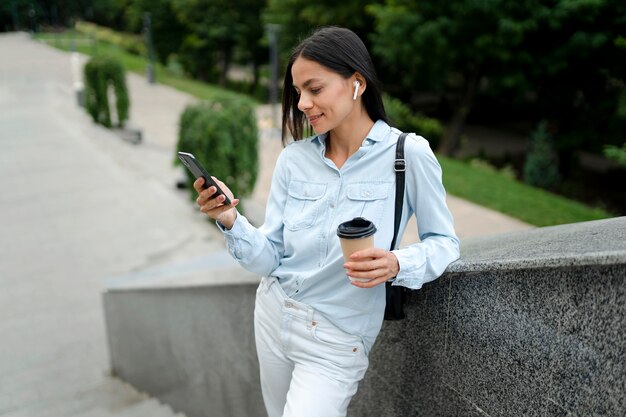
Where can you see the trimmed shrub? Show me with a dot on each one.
(101, 72)
(541, 168)
(404, 119)
(222, 134)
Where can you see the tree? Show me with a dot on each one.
(297, 18)
(167, 31)
(251, 43)
(215, 28)
(541, 168)
(578, 75)
(554, 57)
(450, 47)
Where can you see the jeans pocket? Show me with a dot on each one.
(330, 336)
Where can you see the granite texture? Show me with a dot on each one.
(517, 327)
(408, 363)
(586, 243)
(533, 342)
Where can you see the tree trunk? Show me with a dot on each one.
(452, 136)
(225, 57)
(255, 76)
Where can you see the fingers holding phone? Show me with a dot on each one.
(217, 201)
(214, 198)
(215, 195)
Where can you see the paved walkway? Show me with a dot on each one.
(78, 206)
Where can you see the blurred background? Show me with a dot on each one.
(508, 93)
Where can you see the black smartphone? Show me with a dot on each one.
(198, 171)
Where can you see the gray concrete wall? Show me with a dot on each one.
(193, 347)
(528, 323)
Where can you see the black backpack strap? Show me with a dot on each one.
(396, 294)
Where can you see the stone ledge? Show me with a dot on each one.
(215, 269)
(600, 242)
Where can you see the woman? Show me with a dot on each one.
(314, 327)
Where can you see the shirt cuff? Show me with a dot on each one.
(412, 266)
(234, 235)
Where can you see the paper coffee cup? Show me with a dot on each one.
(355, 235)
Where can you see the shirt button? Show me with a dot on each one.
(332, 205)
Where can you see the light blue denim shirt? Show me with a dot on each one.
(310, 197)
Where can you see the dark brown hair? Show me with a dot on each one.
(341, 51)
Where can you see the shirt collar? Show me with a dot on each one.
(377, 133)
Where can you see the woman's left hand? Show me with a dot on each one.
(379, 265)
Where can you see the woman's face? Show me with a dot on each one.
(325, 97)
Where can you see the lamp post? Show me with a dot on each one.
(79, 88)
(272, 34)
(147, 30)
(15, 16)
(32, 14)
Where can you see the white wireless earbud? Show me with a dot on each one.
(356, 89)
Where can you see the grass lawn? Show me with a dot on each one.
(476, 184)
(138, 64)
(506, 195)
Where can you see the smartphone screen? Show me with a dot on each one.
(198, 171)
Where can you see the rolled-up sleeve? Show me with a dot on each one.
(426, 197)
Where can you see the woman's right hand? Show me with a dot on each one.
(213, 205)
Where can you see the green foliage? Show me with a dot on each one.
(137, 64)
(297, 18)
(167, 30)
(616, 154)
(621, 109)
(197, 56)
(214, 29)
(404, 119)
(204, 35)
(222, 134)
(541, 168)
(102, 73)
(563, 60)
(129, 42)
(15, 15)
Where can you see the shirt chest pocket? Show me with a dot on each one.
(368, 199)
(304, 203)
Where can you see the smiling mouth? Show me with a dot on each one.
(313, 119)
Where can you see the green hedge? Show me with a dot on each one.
(100, 73)
(404, 119)
(222, 134)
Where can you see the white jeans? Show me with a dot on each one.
(309, 367)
